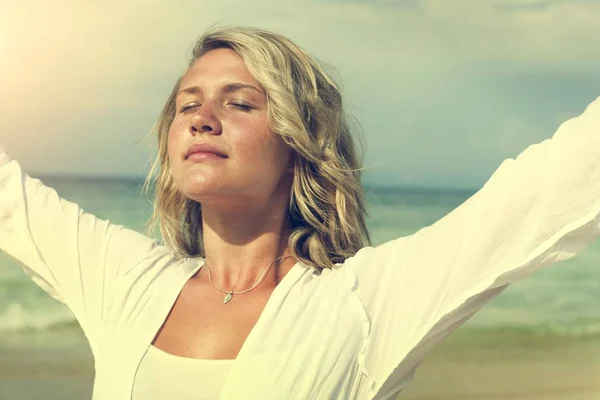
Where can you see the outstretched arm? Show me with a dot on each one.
(540, 208)
(72, 255)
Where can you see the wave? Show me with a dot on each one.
(15, 318)
(573, 331)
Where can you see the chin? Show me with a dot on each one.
(200, 190)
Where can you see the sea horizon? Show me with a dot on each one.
(380, 186)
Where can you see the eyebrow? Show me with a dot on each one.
(229, 88)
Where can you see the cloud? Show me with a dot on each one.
(114, 47)
(558, 36)
(82, 74)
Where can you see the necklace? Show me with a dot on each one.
(229, 294)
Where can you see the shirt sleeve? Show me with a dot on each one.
(72, 255)
(537, 209)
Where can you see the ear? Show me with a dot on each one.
(292, 162)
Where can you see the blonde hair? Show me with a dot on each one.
(327, 209)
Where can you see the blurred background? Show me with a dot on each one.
(444, 91)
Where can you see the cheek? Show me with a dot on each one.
(172, 143)
(274, 155)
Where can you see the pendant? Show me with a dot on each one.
(227, 298)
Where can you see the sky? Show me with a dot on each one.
(444, 90)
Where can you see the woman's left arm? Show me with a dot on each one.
(537, 209)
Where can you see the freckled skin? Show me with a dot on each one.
(237, 123)
(244, 200)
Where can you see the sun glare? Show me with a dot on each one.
(4, 34)
(7, 28)
(3, 41)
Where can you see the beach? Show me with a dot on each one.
(57, 365)
(508, 366)
(540, 339)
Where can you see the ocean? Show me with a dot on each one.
(562, 299)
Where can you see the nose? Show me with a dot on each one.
(204, 120)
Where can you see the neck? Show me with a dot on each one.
(239, 246)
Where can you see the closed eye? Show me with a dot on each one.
(243, 107)
(188, 107)
(240, 106)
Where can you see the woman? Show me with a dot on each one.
(264, 288)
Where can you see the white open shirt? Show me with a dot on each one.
(357, 331)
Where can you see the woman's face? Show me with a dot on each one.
(220, 104)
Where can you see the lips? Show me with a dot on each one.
(204, 148)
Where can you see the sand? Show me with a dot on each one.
(484, 366)
(504, 366)
(45, 365)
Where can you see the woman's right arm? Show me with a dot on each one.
(74, 256)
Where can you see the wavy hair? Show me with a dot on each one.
(327, 208)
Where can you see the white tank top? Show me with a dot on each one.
(164, 376)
